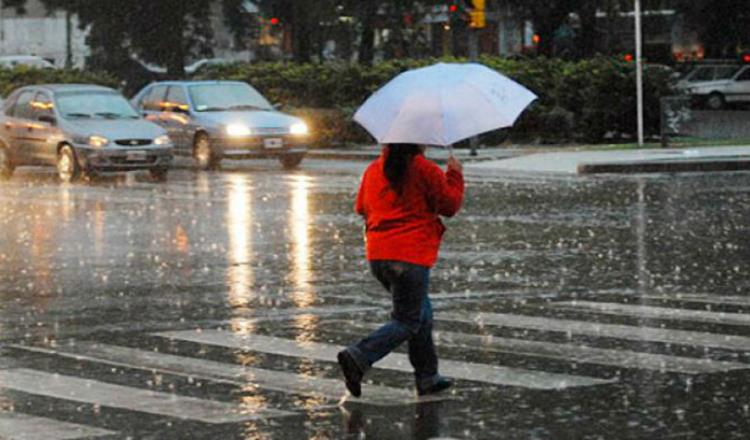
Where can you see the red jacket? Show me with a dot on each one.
(408, 227)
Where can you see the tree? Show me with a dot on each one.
(721, 25)
(164, 32)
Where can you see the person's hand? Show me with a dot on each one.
(455, 165)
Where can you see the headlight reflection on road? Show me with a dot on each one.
(239, 224)
(299, 225)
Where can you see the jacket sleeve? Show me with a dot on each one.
(359, 204)
(446, 190)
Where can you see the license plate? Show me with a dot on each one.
(273, 143)
(136, 156)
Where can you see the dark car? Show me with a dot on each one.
(215, 120)
(79, 129)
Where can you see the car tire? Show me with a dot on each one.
(6, 165)
(159, 174)
(204, 153)
(68, 169)
(291, 161)
(715, 101)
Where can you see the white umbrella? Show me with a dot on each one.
(442, 104)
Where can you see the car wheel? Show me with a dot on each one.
(67, 165)
(204, 153)
(291, 161)
(715, 101)
(6, 166)
(159, 174)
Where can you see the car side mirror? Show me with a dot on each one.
(48, 119)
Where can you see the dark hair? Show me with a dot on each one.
(396, 166)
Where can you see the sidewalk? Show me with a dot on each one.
(557, 161)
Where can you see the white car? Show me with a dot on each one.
(12, 61)
(717, 86)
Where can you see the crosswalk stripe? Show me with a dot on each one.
(133, 399)
(395, 361)
(627, 332)
(332, 389)
(730, 300)
(17, 426)
(640, 311)
(584, 354)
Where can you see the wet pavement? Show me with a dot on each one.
(567, 307)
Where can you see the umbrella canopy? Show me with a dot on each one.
(442, 104)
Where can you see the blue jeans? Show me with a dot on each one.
(411, 320)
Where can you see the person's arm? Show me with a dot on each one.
(359, 204)
(446, 188)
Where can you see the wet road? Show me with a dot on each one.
(212, 306)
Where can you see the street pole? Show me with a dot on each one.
(68, 41)
(639, 70)
(473, 56)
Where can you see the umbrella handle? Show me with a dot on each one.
(450, 150)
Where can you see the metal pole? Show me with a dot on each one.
(473, 56)
(639, 69)
(68, 41)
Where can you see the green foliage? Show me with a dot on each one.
(11, 79)
(592, 100)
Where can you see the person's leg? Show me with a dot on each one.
(406, 282)
(422, 352)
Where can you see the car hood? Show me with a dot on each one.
(114, 129)
(253, 118)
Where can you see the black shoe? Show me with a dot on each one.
(351, 372)
(441, 384)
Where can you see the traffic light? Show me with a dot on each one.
(477, 15)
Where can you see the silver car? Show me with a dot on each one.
(215, 120)
(80, 129)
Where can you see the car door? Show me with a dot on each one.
(150, 104)
(41, 128)
(176, 117)
(739, 89)
(17, 127)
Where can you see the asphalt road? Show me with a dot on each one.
(211, 307)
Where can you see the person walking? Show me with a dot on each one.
(401, 197)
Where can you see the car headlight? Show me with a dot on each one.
(236, 130)
(97, 141)
(299, 128)
(163, 140)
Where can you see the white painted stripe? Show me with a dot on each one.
(133, 399)
(17, 426)
(395, 361)
(730, 300)
(591, 355)
(628, 332)
(584, 354)
(332, 389)
(640, 311)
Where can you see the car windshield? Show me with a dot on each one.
(712, 73)
(94, 104)
(227, 97)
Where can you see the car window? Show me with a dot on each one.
(42, 105)
(744, 75)
(725, 72)
(176, 99)
(10, 105)
(152, 101)
(94, 104)
(22, 108)
(227, 96)
(702, 74)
